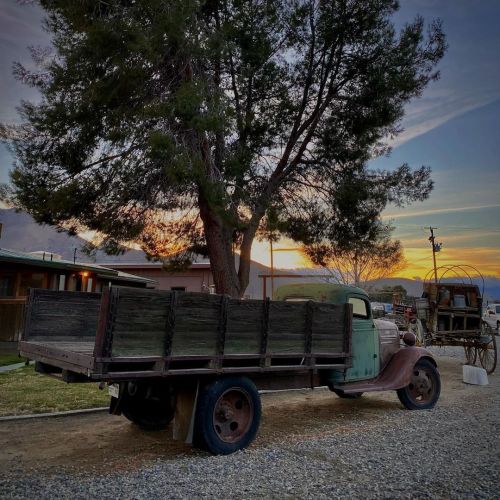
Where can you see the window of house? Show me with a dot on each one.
(31, 280)
(7, 284)
(360, 307)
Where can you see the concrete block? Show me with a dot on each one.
(474, 375)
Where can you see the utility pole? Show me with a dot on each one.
(436, 247)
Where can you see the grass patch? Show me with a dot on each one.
(23, 391)
(10, 359)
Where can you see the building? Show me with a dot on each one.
(197, 278)
(20, 271)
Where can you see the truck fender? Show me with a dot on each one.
(400, 367)
(396, 374)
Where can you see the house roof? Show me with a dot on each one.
(46, 260)
(153, 265)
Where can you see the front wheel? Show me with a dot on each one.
(227, 415)
(424, 388)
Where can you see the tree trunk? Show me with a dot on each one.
(218, 237)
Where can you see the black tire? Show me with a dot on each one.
(228, 415)
(151, 408)
(422, 393)
(343, 395)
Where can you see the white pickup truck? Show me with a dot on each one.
(492, 316)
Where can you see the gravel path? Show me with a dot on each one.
(370, 448)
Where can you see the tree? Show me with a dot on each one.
(386, 293)
(353, 243)
(361, 262)
(179, 124)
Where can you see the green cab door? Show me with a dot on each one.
(365, 346)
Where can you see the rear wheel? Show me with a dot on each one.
(227, 415)
(149, 406)
(424, 388)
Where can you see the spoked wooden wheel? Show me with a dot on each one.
(470, 354)
(233, 415)
(487, 349)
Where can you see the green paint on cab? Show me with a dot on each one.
(365, 342)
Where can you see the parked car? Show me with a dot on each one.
(492, 316)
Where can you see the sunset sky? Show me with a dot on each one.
(454, 128)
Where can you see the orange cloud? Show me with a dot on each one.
(484, 259)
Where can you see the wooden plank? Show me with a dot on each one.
(287, 323)
(197, 324)
(309, 326)
(141, 322)
(55, 313)
(101, 323)
(170, 324)
(244, 318)
(221, 340)
(55, 356)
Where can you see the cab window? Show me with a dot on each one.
(360, 308)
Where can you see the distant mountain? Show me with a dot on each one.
(21, 232)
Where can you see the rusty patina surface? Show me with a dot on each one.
(395, 375)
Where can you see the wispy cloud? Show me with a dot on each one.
(434, 211)
(438, 108)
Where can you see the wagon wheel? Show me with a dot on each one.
(417, 328)
(487, 349)
(470, 354)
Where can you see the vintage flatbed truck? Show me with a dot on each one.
(200, 359)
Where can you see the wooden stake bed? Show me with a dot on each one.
(128, 333)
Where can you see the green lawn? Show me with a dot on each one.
(24, 391)
(10, 359)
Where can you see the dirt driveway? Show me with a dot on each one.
(105, 443)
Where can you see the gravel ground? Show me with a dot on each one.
(374, 449)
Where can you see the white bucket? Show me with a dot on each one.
(474, 375)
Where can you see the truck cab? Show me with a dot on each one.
(375, 342)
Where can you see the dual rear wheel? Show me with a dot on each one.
(227, 417)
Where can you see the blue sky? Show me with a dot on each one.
(454, 127)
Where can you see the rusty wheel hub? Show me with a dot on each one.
(421, 386)
(233, 415)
